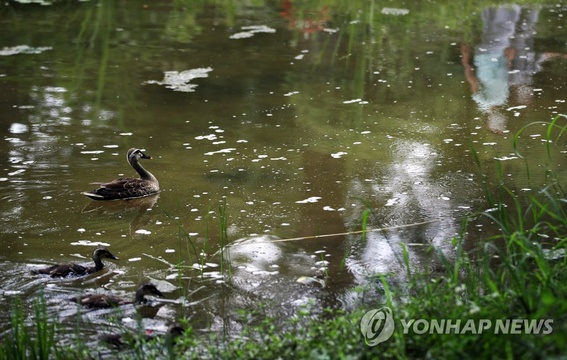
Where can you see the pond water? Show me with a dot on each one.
(273, 127)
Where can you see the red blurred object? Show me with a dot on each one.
(311, 22)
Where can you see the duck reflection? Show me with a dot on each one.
(140, 206)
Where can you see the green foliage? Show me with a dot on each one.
(25, 342)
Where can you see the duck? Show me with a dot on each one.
(103, 301)
(64, 270)
(128, 188)
(120, 341)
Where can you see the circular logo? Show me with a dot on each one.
(377, 326)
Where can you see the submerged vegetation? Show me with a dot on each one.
(505, 298)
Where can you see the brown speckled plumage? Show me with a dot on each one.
(72, 269)
(128, 188)
(101, 301)
(121, 341)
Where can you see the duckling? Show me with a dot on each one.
(63, 270)
(120, 341)
(102, 301)
(128, 188)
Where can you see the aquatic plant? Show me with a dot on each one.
(552, 128)
(25, 342)
(223, 240)
(365, 215)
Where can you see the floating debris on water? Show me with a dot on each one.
(206, 137)
(23, 49)
(221, 151)
(505, 158)
(251, 30)
(392, 202)
(310, 280)
(179, 80)
(312, 199)
(394, 11)
(339, 154)
(90, 243)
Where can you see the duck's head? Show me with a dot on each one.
(147, 289)
(175, 330)
(136, 154)
(102, 252)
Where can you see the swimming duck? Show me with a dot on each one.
(128, 188)
(120, 341)
(102, 301)
(63, 270)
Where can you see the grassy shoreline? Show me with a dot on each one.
(507, 298)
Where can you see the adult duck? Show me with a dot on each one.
(72, 269)
(128, 188)
(102, 301)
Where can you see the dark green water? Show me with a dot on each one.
(298, 118)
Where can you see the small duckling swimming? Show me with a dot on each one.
(103, 301)
(121, 341)
(72, 269)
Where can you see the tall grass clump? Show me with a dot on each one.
(29, 341)
(516, 275)
(554, 132)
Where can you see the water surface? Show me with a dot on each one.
(294, 119)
